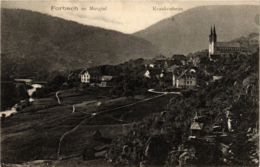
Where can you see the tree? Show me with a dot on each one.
(21, 92)
(243, 149)
(8, 94)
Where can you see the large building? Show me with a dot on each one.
(187, 79)
(220, 48)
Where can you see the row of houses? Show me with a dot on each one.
(203, 125)
(172, 72)
(96, 78)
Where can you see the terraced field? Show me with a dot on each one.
(36, 132)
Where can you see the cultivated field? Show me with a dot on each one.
(36, 132)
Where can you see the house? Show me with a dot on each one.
(147, 74)
(160, 62)
(90, 76)
(202, 126)
(106, 81)
(95, 75)
(187, 79)
(196, 127)
(177, 77)
(85, 76)
(216, 77)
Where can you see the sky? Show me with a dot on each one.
(121, 15)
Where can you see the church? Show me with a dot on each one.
(221, 48)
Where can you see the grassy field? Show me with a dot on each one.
(35, 132)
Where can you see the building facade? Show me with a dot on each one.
(221, 48)
(186, 80)
(85, 77)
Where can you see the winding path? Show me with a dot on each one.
(92, 115)
(68, 132)
(165, 92)
(57, 96)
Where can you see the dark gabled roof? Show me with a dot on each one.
(228, 44)
(187, 72)
(83, 71)
(91, 71)
(179, 57)
(94, 71)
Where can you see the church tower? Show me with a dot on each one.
(212, 40)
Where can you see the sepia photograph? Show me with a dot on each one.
(129, 83)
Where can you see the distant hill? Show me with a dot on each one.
(35, 42)
(188, 31)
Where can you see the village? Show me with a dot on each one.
(170, 73)
(182, 74)
(197, 112)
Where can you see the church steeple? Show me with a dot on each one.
(214, 34)
(212, 40)
(210, 35)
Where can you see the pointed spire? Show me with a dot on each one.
(215, 34)
(211, 34)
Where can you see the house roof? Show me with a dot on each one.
(91, 71)
(182, 74)
(196, 126)
(106, 77)
(187, 72)
(179, 57)
(94, 71)
(228, 44)
(83, 71)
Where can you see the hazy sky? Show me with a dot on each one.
(121, 15)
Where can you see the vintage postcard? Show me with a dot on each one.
(129, 83)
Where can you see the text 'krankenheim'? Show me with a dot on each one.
(75, 8)
(164, 8)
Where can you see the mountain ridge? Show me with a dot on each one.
(188, 31)
(33, 41)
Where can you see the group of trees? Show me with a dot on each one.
(12, 93)
(55, 82)
(236, 92)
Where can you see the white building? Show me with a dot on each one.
(186, 80)
(147, 74)
(85, 77)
